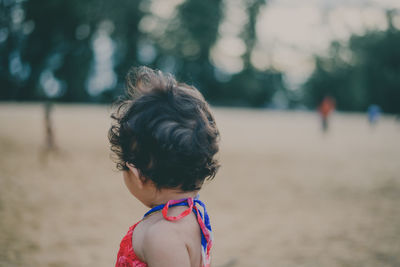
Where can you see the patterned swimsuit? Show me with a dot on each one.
(126, 255)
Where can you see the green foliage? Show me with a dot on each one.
(53, 44)
(8, 51)
(251, 88)
(359, 73)
(56, 45)
(194, 31)
(249, 32)
(61, 38)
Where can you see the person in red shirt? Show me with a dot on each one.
(325, 109)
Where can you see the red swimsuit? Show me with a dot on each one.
(126, 255)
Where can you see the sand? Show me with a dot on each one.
(286, 195)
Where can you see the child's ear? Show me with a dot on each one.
(132, 168)
(136, 173)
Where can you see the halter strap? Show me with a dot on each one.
(202, 219)
(180, 216)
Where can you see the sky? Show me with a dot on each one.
(290, 32)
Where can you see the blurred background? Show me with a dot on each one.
(256, 53)
(306, 95)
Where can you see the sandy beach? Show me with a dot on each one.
(286, 194)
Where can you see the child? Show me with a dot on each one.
(165, 139)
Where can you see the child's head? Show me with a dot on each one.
(166, 131)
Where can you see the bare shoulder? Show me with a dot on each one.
(161, 229)
(180, 231)
(163, 246)
(174, 243)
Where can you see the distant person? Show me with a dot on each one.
(374, 112)
(165, 139)
(325, 109)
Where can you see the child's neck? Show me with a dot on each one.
(164, 195)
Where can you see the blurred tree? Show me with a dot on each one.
(252, 87)
(249, 34)
(48, 44)
(362, 72)
(191, 35)
(56, 46)
(10, 39)
(126, 16)
(49, 48)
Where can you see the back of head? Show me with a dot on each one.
(166, 130)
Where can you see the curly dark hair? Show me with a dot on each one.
(166, 130)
